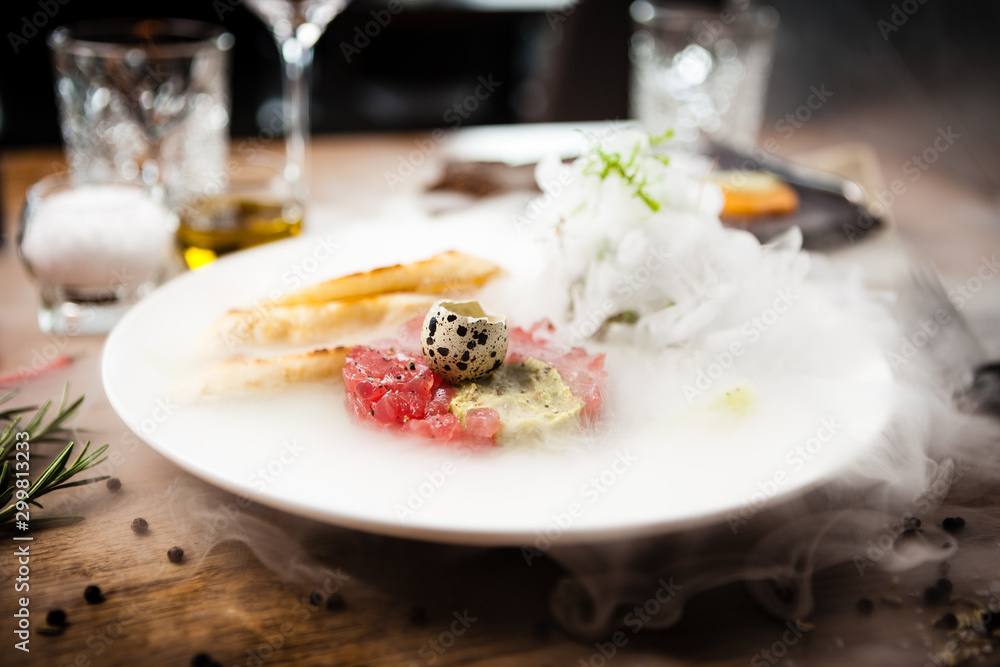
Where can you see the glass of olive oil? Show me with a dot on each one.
(245, 215)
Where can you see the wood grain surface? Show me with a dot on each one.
(242, 591)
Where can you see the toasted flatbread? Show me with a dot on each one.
(240, 376)
(442, 273)
(315, 315)
(317, 323)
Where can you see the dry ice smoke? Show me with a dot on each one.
(212, 517)
(935, 458)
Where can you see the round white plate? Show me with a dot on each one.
(655, 464)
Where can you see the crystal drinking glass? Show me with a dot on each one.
(701, 73)
(144, 100)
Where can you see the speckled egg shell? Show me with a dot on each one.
(461, 342)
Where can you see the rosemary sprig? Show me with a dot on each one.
(37, 431)
(60, 470)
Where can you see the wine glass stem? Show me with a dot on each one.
(151, 170)
(297, 59)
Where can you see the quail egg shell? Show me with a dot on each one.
(462, 342)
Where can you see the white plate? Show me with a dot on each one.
(655, 465)
(524, 144)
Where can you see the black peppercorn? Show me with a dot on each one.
(866, 606)
(316, 598)
(204, 660)
(949, 621)
(944, 585)
(785, 594)
(953, 524)
(93, 595)
(175, 555)
(932, 595)
(140, 526)
(113, 484)
(56, 618)
(336, 603)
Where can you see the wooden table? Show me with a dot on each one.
(404, 602)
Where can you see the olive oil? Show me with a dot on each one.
(215, 226)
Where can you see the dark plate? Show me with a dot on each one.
(830, 214)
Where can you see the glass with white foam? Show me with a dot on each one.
(93, 249)
(701, 73)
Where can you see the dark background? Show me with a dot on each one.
(894, 88)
